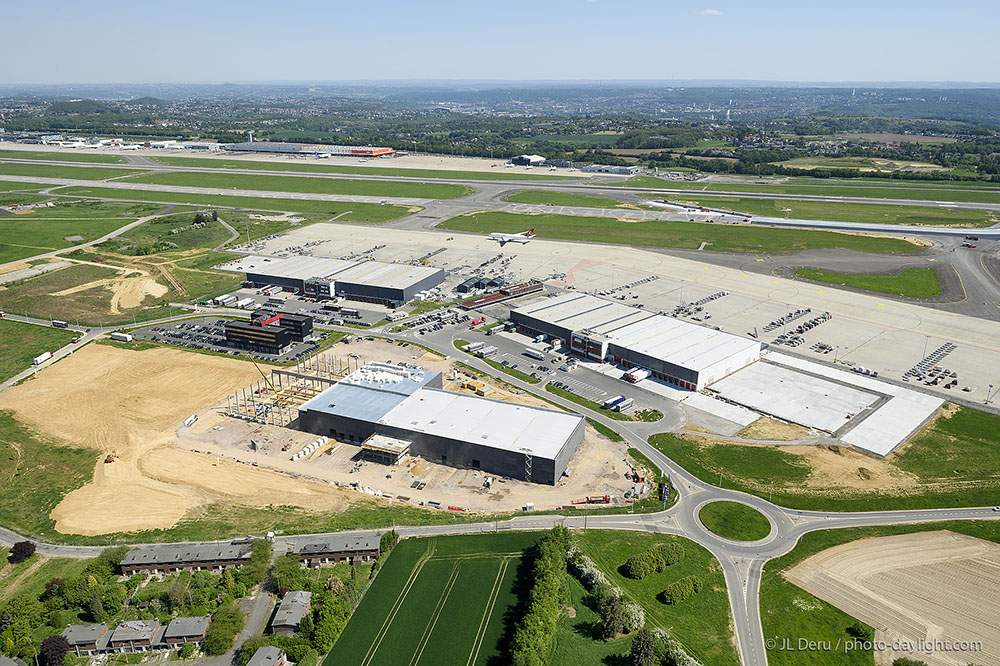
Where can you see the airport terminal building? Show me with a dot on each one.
(673, 350)
(321, 277)
(383, 406)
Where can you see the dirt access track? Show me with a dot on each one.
(915, 587)
(131, 403)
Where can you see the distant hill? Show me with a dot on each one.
(81, 107)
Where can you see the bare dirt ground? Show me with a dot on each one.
(13, 267)
(777, 431)
(915, 587)
(837, 467)
(132, 403)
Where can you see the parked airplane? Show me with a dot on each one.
(522, 237)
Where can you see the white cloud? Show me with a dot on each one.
(710, 12)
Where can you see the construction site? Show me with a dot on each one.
(173, 433)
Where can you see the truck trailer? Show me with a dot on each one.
(42, 358)
(611, 402)
(636, 375)
(121, 337)
(534, 353)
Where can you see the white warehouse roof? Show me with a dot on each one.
(477, 420)
(583, 312)
(375, 273)
(680, 342)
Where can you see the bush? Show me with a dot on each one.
(21, 551)
(533, 633)
(227, 622)
(654, 560)
(861, 631)
(187, 650)
(681, 590)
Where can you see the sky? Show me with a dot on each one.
(115, 41)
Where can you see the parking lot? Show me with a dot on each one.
(208, 334)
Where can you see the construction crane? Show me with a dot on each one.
(277, 398)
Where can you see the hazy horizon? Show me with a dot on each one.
(57, 42)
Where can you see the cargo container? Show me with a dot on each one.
(189, 421)
(534, 353)
(636, 375)
(42, 358)
(121, 337)
(611, 402)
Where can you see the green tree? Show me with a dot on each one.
(187, 650)
(643, 651)
(613, 615)
(96, 607)
(228, 581)
(306, 626)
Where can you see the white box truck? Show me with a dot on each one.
(121, 337)
(42, 358)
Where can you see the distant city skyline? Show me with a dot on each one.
(113, 41)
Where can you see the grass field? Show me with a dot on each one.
(975, 191)
(312, 167)
(35, 473)
(733, 520)
(913, 282)
(847, 212)
(17, 198)
(79, 209)
(60, 171)
(603, 139)
(440, 600)
(24, 237)
(33, 295)
(955, 462)
(723, 238)
(95, 158)
(701, 624)
(788, 611)
(350, 212)
(562, 199)
(30, 576)
(21, 343)
(14, 186)
(172, 229)
(375, 188)
(578, 641)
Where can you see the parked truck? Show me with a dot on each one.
(534, 353)
(487, 352)
(474, 346)
(121, 337)
(42, 358)
(624, 404)
(636, 375)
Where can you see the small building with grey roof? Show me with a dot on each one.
(183, 630)
(294, 606)
(166, 558)
(267, 656)
(86, 640)
(136, 636)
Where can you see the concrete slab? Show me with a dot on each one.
(794, 396)
(725, 410)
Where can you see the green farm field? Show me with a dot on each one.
(303, 184)
(439, 600)
(25, 237)
(656, 233)
(352, 170)
(349, 212)
(913, 282)
(94, 158)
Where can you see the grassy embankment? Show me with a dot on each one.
(655, 233)
(62, 171)
(953, 462)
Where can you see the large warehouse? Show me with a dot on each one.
(321, 277)
(673, 350)
(401, 411)
(309, 149)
